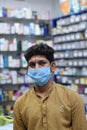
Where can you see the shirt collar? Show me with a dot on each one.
(49, 91)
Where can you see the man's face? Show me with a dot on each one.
(38, 61)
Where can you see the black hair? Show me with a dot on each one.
(40, 49)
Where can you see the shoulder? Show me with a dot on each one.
(22, 100)
(64, 89)
(68, 94)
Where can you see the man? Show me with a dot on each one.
(47, 106)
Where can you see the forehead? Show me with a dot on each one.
(38, 57)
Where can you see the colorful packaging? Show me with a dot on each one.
(83, 4)
(74, 6)
(64, 5)
(70, 6)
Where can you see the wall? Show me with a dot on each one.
(38, 5)
(55, 8)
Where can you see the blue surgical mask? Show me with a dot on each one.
(40, 75)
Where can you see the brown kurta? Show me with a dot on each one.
(62, 109)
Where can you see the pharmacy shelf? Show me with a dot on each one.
(64, 50)
(13, 68)
(8, 102)
(74, 76)
(28, 37)
(68, 16)
(23, 20)
(71, 41)
(68, 58)
(70, 48)
(82, 31)
(20, 38)
(9, 52)
(9, 86)
(18, 84)
(66, 84)
(71, 66)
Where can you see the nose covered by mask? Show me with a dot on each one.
(40, 75)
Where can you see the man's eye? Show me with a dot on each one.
(42, 63)
(31, 64)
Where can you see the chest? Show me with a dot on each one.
(52, 111)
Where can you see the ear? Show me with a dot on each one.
(53, 67)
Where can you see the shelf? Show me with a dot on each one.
(68, 58)
(71, 48)
(72, 66)
(19, 38)
(76, 22)
(76, 40)
(28, 37)
(15, 87)
(74, 76)
(63, 34)
(78, 49)
(85, 85)
(11, 52)
(63, 83)
(19, 84)
(23, 20)
(9, 87)
(84, 98)
(67, 16)
(8, 102)
(13, 68)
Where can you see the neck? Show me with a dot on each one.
(43, 90)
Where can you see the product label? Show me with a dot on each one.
(83, 2)
(64, 5)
